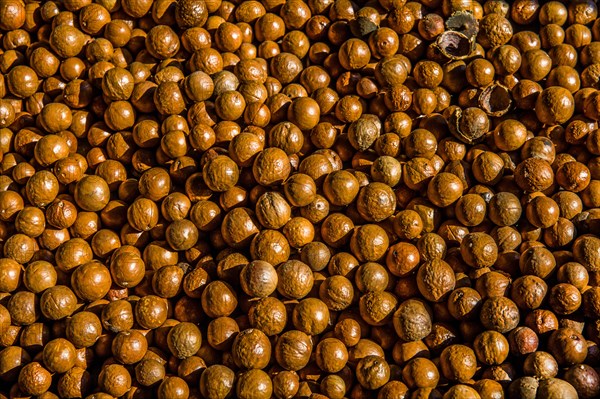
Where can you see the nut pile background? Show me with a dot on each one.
(322, 199)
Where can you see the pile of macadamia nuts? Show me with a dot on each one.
(299, 199)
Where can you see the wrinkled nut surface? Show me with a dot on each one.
(299, 199)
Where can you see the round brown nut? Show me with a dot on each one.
(435, 280)
(376, 202)
(458, 363)
(372, 372)
(444, 189)
(217, 381)
(412, 320)
(479, 250)
(491, 347)
(499, 314)
(34, 379)
(184, 340)
(251, 342)
(259, 279)
(271, 167)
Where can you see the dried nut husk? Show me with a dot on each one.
(362, 26)
(463, 22)
(495, 100)
(455, 45)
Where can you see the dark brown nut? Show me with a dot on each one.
(173, 387)
(583, 378)
(464, 303)
(117, 316)
(37, 277)
(151, 311)
(287, 136)
(22, 81)
(299, 232)
(272, 210)
(542, 212)
(304, 112)
(523, 340)
(75, 382)
(117, 84)
(510, 135)
(408, 224)
(220, 173)
(540, 364)
(337, 292)
(239, 227)
(293, 349)
(295, 279)
(461, 391)
(271, 246)
(162, 42)
(13, 15)
(336, 230)
(470, 209)
(168, 100)
(573, 176)
(300, 190)
(242, 148)
(334, 386)
(567, 346)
